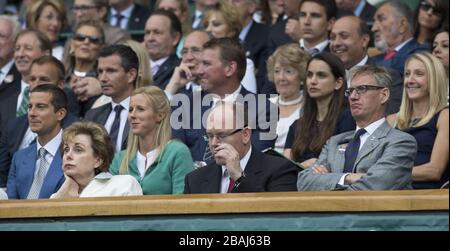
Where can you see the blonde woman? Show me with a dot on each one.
(48, 17)
(424, 114)
(287, 70)
(157, 162)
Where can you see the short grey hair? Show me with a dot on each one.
(402, 11)
(14, 23)
(380, 74)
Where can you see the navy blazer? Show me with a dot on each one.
(10, 141)
(397, 62)
(193, 138)
(162, 77)
(100, 115)
(22, 171)
(264, 173)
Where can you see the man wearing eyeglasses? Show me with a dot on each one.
(393, 32)
(374, 156)
(238, 167)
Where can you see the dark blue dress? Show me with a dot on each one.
(425, 136)
(344, 123)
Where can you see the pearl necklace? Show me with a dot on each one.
(290, 102)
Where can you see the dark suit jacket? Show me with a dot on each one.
(367, 13)
(10, 141)
(22, 174)
(162, 77)
(264, 173)
(136, 23)
(12, 88)
(278, 36)
(397, 62)
(193, 138)
(395, 98)
(257, 49)
(100, 115)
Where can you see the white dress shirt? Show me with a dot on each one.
(123, 120)
(126, 17)
(155, 65)
(225, 181)
(144, 162)
(51, 147)
(370, 129)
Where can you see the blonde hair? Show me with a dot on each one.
(35, 11)
(144, 76)
(158, 101)
(100, 141)
(292, 55)
(438, 92)
(230, 15)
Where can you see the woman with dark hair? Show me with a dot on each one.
(429, 17)
(324, 113)
(440, 46)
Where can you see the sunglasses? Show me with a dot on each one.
(81, 38)
(426, 6)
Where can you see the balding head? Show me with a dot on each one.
(350, 38)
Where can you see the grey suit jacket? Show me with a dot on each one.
(386, 158)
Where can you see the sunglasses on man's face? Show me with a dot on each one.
(426, 6)
(81, 38)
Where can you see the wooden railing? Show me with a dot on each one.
(288, 202)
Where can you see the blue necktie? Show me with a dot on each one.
(114, 133)
(351, 152)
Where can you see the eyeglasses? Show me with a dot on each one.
(220, 136)
(361, 89)
(426, 6)
(83, 8)
(81, 38)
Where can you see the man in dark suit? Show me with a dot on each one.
(16, 132)
(9, 28)
(254, 37)
(359, 8)
(316, 20)
(162, 35)
(222, 69)
(36, 170)
(128, 15)
(186, 78)
(393, 31)
(238, 167)
(117, 72)
(350, 41)
(373, 157)
(29, 44)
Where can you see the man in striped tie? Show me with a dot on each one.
(36, 170)
(238, 166)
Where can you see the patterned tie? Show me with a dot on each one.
(119, 18)
(114, 133)
(39, 178)
(390, 54)
(351, 152)
(311, 51)
(23, 108)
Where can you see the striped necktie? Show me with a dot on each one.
(23, 108)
